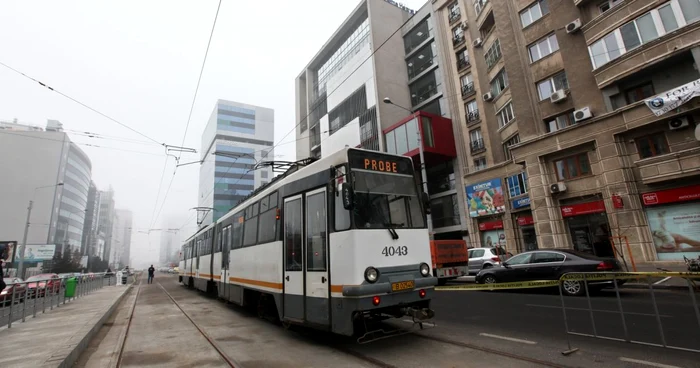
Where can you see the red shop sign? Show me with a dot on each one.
(583, 209)
(491, 225)
(684, 194)
(525, 220)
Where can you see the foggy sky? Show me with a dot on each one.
(138, 62)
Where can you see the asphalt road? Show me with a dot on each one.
(533, 320)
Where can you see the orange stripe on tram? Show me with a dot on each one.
(271, 285)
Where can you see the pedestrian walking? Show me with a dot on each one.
(151, 271)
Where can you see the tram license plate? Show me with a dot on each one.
(403, 285)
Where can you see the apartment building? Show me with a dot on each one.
(580, 127)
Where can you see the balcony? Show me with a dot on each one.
(473, 117)
(462, 63)
(435, 134)
(477, 145)
(672, 166)
(468, 90)
(457, 40)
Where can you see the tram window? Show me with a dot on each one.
(316, 232)
(267, 228)
(237, 238)
(218, 242)
(342, 216)
(250, 232)
(255, 209)
(273, 200)
(292, 236)
(264, 204)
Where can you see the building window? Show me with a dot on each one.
(479, 5)
(573, 167)
(543, 47)
(499, 83)
(639, 93)
(467, 83)
(472, 111)
(517, 184)
(511, 142)
(421, 60)
(560, 122)
(607, 5)
(656, 23)
(505, 115)
(556, 82)
(462, 59)
(457, 35)
(652, 145)
(534, 12)
(493, 54)
(477, 140)
(454, 11)
(445, 211)
(479, 163)
(416, 36)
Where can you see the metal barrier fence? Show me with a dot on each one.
(27, 298)
(633, 315)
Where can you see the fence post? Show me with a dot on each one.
(566, 323)
(26, 300)
(656, 311)
(590, 306)
(622, 313)
(12, 305)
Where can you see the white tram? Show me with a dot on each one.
(338, 241)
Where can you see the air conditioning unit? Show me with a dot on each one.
(477, 42)
(558, 96)
(557, 188)
(678, 123)
(465, 25)
(487, 96)
(573, 26)
(583, 114)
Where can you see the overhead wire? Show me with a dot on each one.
(2, 131)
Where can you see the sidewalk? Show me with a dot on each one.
(661, 282)
(56, 338)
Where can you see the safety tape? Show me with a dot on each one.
(589, 276)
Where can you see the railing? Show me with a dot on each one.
(473, 117)
(454, 15)
(424, 94)
(478, 145)
(457, 40)
(467, 90)
(462, 63)
(23, 299)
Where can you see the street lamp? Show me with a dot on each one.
(424, 175)
(20, 265)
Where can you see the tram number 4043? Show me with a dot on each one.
(395, 251)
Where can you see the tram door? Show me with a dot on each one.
(225, 249)
(293, 259)
(316, 255)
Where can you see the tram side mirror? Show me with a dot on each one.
(348, 195)
(426, 203)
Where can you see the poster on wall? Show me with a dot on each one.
(7, 250)
(493, 238)
(675, 230)
(36, 253)
(485, 198)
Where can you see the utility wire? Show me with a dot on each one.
(78, 143)
(81, 104)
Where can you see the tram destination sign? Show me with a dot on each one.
(375, 161)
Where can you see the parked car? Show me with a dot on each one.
(550, 264)
(481, 258)
(38, 284)
(13, 284)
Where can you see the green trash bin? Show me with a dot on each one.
(71, 283)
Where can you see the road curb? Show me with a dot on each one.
(73, 350)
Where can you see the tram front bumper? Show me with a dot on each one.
(379, 288)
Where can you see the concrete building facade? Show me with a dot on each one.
(576, 134)
(237, 137)
(121, 234)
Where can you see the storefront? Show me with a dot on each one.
(528, 236)
(674, 221)
(492, 234)
(588, 227)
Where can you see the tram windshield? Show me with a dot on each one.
(386, 201)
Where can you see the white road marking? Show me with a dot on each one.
(598, 310)
(662, 281)
(508, 338)
(646, 362)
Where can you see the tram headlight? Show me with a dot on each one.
(371, 275)
(424, 269)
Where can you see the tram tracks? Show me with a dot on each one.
(225, 357)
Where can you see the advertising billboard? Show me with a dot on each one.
(8, 250)
(485, 198)
(38, 253)
(675, 230)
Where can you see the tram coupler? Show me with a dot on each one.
(419, 314)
